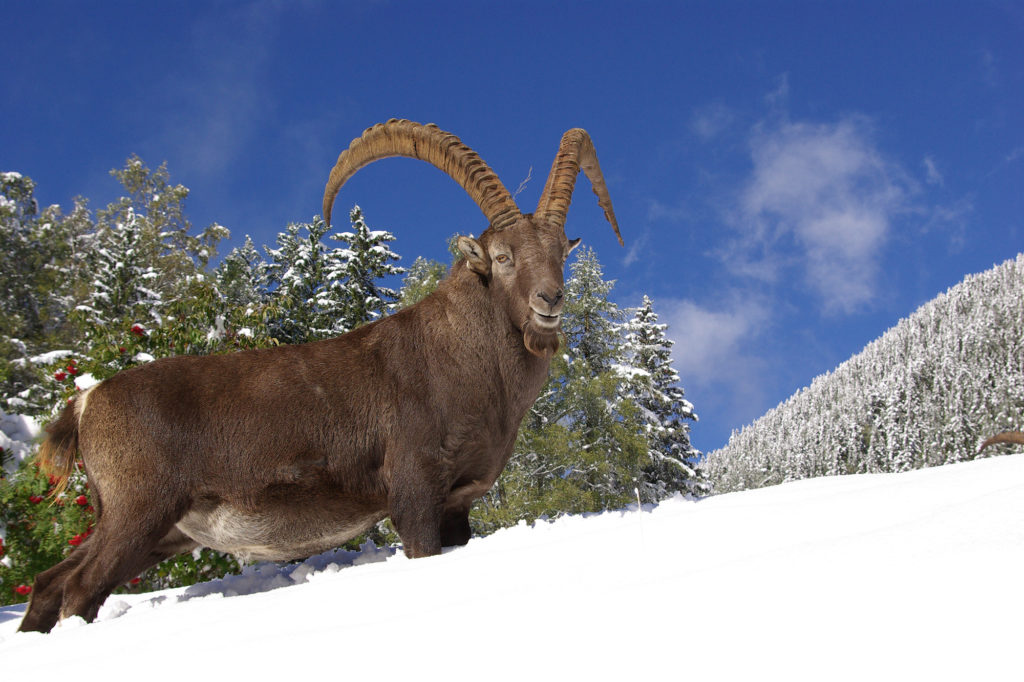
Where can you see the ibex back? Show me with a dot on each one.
(286, 452)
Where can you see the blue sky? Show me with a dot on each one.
(791, 178)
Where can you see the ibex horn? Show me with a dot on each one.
(1004, 437)
(574, 154)
(433, 145)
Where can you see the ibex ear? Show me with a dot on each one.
(573, 243)
(476, 258)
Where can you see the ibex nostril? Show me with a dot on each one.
(549, 299)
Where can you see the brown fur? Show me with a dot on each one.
(57, 453)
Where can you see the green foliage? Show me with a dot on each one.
(368, 260)
(587, 444)
(420, 281)
(39, 529)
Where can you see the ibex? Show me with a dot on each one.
(282, 453)
(1004, 437)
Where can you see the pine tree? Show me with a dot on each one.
(303, 276)
(43, 276)
(242, 276)
(591, 319)
(651, 382)
(143, 257)
(581, 447)
(368, 260)
(420, 281)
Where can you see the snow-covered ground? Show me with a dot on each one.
(915, 576)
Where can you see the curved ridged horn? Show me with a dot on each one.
(433, 145)
(575, 153)
(1004, 437)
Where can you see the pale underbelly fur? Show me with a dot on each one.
(271, 536)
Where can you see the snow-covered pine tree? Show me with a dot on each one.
(368, 260)
(652, 383)
(124, 279)
(302, 275)
(242, 276)
(40, 265)
(143, 257)
(420, 280)
(591, 321)
(43, 277)
(582, 446)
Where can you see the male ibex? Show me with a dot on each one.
(282, 453)
(1004, 437)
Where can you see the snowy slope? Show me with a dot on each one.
(907, 576)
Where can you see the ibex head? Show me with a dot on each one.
(521, 257)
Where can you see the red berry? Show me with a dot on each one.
(72, 370)
(135, 581)
(23, 590)
(35, 499)
(75, 541)
(120, 349)
(138, 330)
(81, 500)
(59, 375)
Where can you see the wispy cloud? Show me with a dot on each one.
(718, 356)
(711, 343)
(779, 97)
(708, 121)
(932, 174)
(821, 198)
(989, 68)
(215, 103)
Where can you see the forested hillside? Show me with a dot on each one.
(926, 393)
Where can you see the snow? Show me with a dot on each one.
(85, 381)
(44, 358)
(16, 435)
(885, 576)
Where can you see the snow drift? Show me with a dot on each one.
(892, 576)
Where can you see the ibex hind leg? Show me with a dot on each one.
(124, 543)
(48, 593)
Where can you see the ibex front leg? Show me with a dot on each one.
(419, 484)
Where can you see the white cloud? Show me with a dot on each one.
(637, 249)
(932, 174)
(710, 344)
(821, 198)
(719, 354)
(710, 120)
(777, 98)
